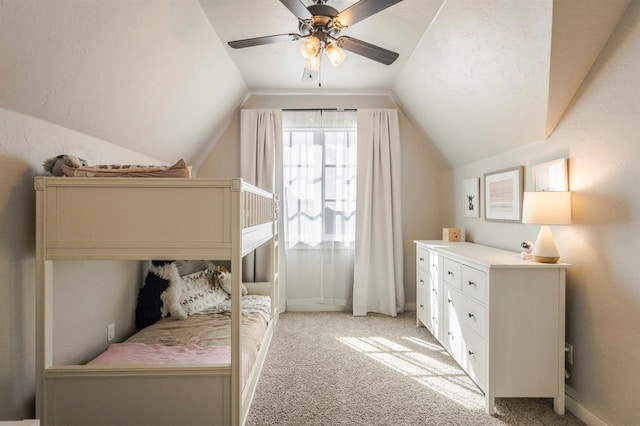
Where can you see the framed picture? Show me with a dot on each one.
(503, 195)
(471, 189)
(550, 176)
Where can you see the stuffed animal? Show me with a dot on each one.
(526, 246)
(54, 165)
(223, 279)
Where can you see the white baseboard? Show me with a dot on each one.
(328, 307)
(320, 307)
(582, 413)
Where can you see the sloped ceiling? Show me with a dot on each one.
(489, 76)
(476, 77)
(280, 66)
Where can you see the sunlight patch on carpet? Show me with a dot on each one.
(441, 377)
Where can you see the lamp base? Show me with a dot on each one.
(545, 259)
(545, 249)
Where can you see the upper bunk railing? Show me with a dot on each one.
(258, 206)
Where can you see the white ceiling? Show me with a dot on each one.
(280, 66)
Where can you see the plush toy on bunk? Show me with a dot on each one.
(71, 165)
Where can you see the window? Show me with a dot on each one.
(319, 175)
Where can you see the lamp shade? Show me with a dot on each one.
(547, 208)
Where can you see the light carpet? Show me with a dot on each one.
(331, 368)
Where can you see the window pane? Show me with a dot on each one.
(319, 170)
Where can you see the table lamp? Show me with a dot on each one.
(546, 208)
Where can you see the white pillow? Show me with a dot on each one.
(199, 292)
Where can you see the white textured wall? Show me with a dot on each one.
(478, 80)
(24, 143)
(421, 166)
(149, 75)
(599, 133)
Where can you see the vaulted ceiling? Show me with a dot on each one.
(475, 77)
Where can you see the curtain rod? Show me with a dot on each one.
(319, 109)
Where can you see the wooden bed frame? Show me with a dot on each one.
(119, 219)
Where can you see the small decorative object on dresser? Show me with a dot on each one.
(500, 317)
(451, 234)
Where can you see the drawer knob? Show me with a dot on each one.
(471, 352)
(471, 315)
(449, 300)
(422, 281)
(471, 283)
(422, 259)
(450, 273)
(422, 306)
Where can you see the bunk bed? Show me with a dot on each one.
(88, 218)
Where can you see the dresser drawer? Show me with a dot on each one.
(436, 317)
(471, 313)
(473, 357)
(474, 283)
(452, 336)
(451, 274)
(422, 258)
(423, 299)
(435, 266)
(463, 343)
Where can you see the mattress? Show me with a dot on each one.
(203, 338)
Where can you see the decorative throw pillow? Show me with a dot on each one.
(199, 292)
(149, 306)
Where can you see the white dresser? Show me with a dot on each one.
(502, 318)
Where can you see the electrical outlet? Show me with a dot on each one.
(111, 332)
(568, 350)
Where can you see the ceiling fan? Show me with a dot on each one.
(320, 25)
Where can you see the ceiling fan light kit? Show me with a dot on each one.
(320, 25)
(335, 54)
(310, 47)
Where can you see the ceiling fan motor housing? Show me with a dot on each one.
(321, 23)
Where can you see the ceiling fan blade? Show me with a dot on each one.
(367, 50)
(362, 10)
(258, 41)
(297, 8)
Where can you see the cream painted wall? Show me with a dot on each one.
(89, 295)
(599, 133)
(421, 166)
(24, 143)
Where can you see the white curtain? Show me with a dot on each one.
(378, 276)
(319, 168)
(260, 153)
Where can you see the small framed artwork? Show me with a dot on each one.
(550, 176)
(471, 189)
(503, 195)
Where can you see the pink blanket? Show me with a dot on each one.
(145, 354)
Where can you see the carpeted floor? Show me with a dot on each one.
(331, 368)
